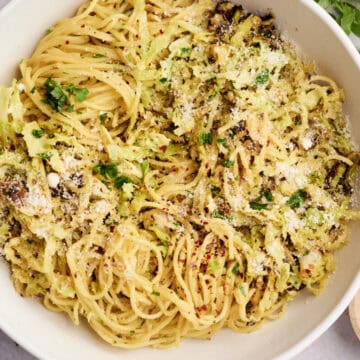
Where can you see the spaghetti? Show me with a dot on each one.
(169, 168)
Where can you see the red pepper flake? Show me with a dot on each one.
(163, 148)
(67, 42)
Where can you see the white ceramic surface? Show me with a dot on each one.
(52, 336)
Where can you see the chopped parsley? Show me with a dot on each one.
(70, 108)
(37, 133)
(81, 94)
(121, 180)
(227, 163)
(155, 293)
(206, 138)
(185, 51)
(54, 95)
(163, 80)
(257, 206)
(215, 191)
(346, 14)
(70, 88)
(44, 156)
(262, 78)
(107, 171)
(297, 199)
(32, 91)
(221, 142)
(218, 215)
(103, 117)
(235, 269)
(268, 195)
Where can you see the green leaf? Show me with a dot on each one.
(70, 108)
(262, 78)
(347, 20)
(37, 133)
(54, 96)
(355, 28)
(70, 88)
(218, 215)
(227, 163)
(206, 138)
(268, 195)
(257, 206)
(44, 156)
(121, 180)
(324, 3)
(235, 269)
(185, 51)
(81, 94)
(215, 191)
(109, 171)
(103, 117)
(297, 199)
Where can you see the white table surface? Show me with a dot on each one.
(339, 342)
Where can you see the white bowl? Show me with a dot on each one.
(53, 336)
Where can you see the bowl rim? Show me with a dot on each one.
(336, 312)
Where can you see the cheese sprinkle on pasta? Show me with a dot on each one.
(170, 168)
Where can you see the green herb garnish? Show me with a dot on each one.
(218, 215)
(346, 14)
(163, 80)
(121, 180)
(44, 156)
(215, 191)
(109, 171)
(81, 94)
(206, 138)
(268, 195)
(70, 108)
(103, 117)
(227, 163)
(262, 78)
(155, 293)
(235, 269)
(32, 91)
(257, 206)
(185, 51)
(54, 95)
(37, 133)
(70, 88)
(297, 199)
